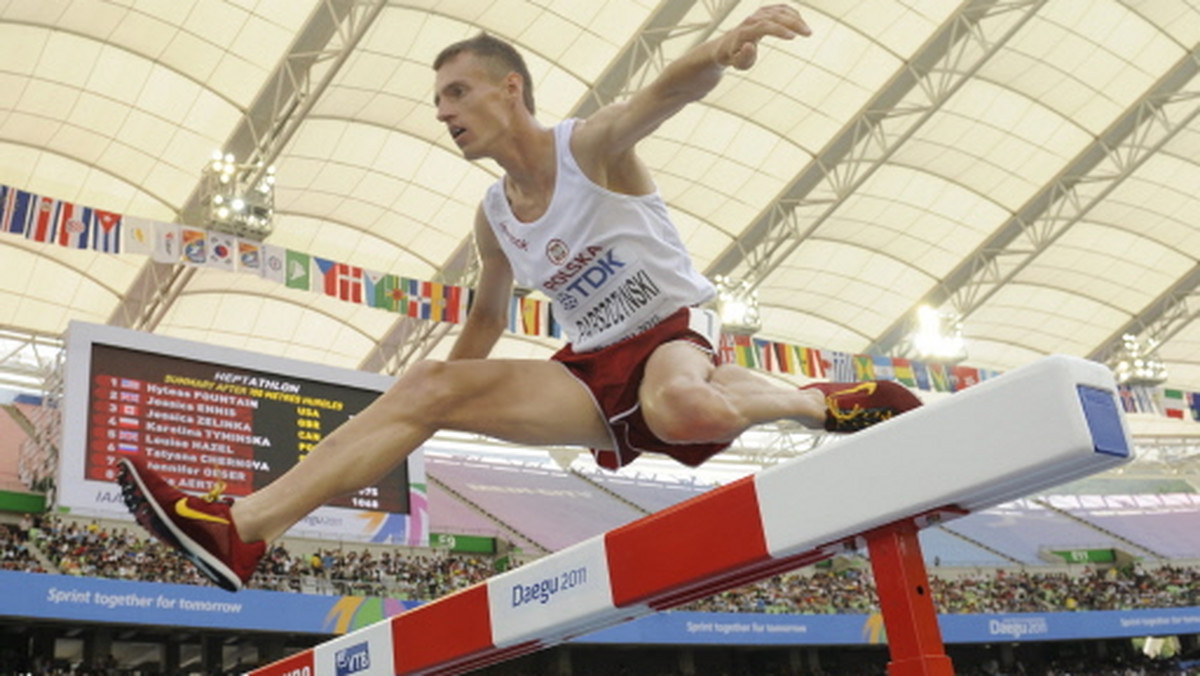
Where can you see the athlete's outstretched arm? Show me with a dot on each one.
(616, 128)
(489, 312)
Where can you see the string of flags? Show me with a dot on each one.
(52, 221)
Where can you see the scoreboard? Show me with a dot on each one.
(205, 416)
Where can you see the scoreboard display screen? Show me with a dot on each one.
(205, 417)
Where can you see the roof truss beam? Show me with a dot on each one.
(1168, 108)
(967, 40)
(320, 49)
(1173, 310)
(27, 358)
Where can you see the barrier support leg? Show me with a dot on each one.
(913, 636)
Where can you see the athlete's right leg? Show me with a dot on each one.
(523, 401)
(528, 402)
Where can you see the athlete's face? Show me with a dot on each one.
(471, 102)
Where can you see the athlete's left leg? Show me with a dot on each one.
(685, 398)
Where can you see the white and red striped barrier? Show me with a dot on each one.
(1053, 421)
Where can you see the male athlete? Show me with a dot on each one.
(577, 216)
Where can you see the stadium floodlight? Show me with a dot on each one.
(238, 198)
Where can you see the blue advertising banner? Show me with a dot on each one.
(87, 599)
(688, 628)
(65, 597)
(1067, 626)
(683, 628)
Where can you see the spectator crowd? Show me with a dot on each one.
(851, 590)
(94, 550)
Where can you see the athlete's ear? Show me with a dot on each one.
(514, 86)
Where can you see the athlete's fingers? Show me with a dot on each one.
(745, 57)
(782, 21)
(740, 49)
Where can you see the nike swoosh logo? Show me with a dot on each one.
(865, 388)
(182, 509)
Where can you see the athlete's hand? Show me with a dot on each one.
(739, 47)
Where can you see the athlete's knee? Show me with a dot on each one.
(424, 390)
(684, 411)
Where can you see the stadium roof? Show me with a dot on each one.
(1033, 166)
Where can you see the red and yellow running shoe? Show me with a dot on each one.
(200, 528)
(854, 406)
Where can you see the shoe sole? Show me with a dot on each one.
(148, 513)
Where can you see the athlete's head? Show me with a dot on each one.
(499, 58)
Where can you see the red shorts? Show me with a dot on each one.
(613, 374)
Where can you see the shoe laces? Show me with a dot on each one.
(846, 416)
(215, 493)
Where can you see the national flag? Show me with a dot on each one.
(249, 256)
(139, 236)
(841, 366)
(884, 368)
(106, 231)
(160, 241)
(1173, 403)
(728, 351)
(127, 448)
(764, 354)
(168, 242)
(74, 225)
(531, 310)
(222, 251)
(1194, 404)
(410, 301)
(555, 328)
(128, 422)
(195, 245)
(904, 371)
(1127, 399)
(456, 309)
(745, 351)
(42, 227)
(938, 378)
(274, 263)
(785, 356)
(921, 373)
(425, 301)
(864, 367)
(132, 397)
(400, 295)
(297, 274)
(128, 435)
(349, 283)
(19, 210)
(1146, 398)
(964, 377)
(129, 384)
(130, 409)
(436, 292)
(339, 280)
(812, 364)
(324, 275)
(378, 288)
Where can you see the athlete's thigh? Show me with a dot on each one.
(673, 367)
(525, 401)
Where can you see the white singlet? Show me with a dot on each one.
(613, 264)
